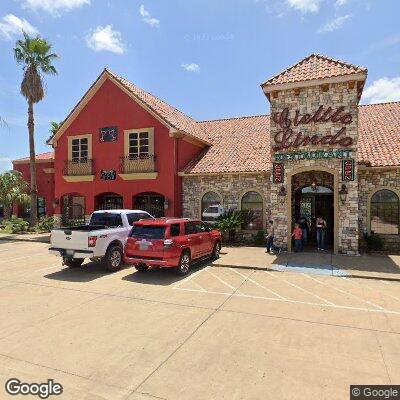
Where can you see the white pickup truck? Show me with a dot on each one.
(103, 239)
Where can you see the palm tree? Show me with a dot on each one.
(54, 127)
(34, 53)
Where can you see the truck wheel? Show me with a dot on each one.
(113, 259)
(72, 262)
(184, 264)
(142, 267)
(216, 251)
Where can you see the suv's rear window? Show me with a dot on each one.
(107, 219)
(148, 231)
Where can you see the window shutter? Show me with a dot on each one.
(151, 142)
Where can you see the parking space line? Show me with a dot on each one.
(275, 275)
(381, 293)
(345, 292)
(188, 278)
(258, 284)
(223, 282)
(383, 311)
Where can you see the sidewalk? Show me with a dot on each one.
(25, 237)
(372, 266)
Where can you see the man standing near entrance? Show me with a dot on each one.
(271, 248)
(321, 231)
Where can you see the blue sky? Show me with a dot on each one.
(205, 57)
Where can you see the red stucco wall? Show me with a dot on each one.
(45, 182)
(110, 106)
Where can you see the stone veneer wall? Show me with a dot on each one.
(369, 182)
(231, 188)
(307, 101)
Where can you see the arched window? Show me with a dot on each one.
(210, 207)
(254, 202)
(385, 212)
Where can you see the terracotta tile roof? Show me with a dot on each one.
(314, 67)
(238, 145)
(43, 157)
(242, 144)
(177, 119)
(379, 134)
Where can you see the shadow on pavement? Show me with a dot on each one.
(87, 273)
(162, 276)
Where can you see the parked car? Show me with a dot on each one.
(103, 239)
(211, 213)
(173, 243)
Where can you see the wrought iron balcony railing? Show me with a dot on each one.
(79, 167)
(141, 163)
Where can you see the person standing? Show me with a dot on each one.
(321, 232)
(297, 234)
(271, 248)
(304, 226)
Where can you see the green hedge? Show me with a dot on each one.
(15, 225)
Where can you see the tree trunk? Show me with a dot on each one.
(7, 211)
(32, 164)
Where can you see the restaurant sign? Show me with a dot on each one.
(348, 172)
(313, 155)
(277, 173)
(291, 138)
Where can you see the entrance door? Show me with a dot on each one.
(310, 203)
(152, 203)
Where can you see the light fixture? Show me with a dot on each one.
(166, 204)
(343, 193)
(314, 186)
(282, 194)
(56, 202)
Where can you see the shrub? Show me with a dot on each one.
(259, 238)
(229, 221)
(45, 224)
(15, 225)
(374, 242)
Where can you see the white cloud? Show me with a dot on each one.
(54, 7)
(11, 26)
(383, 90)
(191, 67)
(105, 39)
(334, 24)
(339, 3)
(148, 18)
(305, 5)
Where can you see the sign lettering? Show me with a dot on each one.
(348, 170)
(278, 173)
(287, 138)
(313, 155)
(109, 175)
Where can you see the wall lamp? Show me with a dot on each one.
(343, 193)
(282, 194)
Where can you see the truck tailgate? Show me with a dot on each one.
(69, 239)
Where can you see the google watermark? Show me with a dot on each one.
(374, 392)
(15, 387)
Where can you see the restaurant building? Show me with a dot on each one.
(319, 153)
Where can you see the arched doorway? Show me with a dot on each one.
(108, 201)
(153, 203)
(311, 202)
(313, 192)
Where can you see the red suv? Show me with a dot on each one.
(167, 242)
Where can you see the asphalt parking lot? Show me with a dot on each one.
(219, 333)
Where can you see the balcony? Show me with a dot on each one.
(79, 170)
(138, 167)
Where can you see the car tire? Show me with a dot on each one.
(216, 251)
(184, 264)
(142, 267)
(113, 259)
(72, 262)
